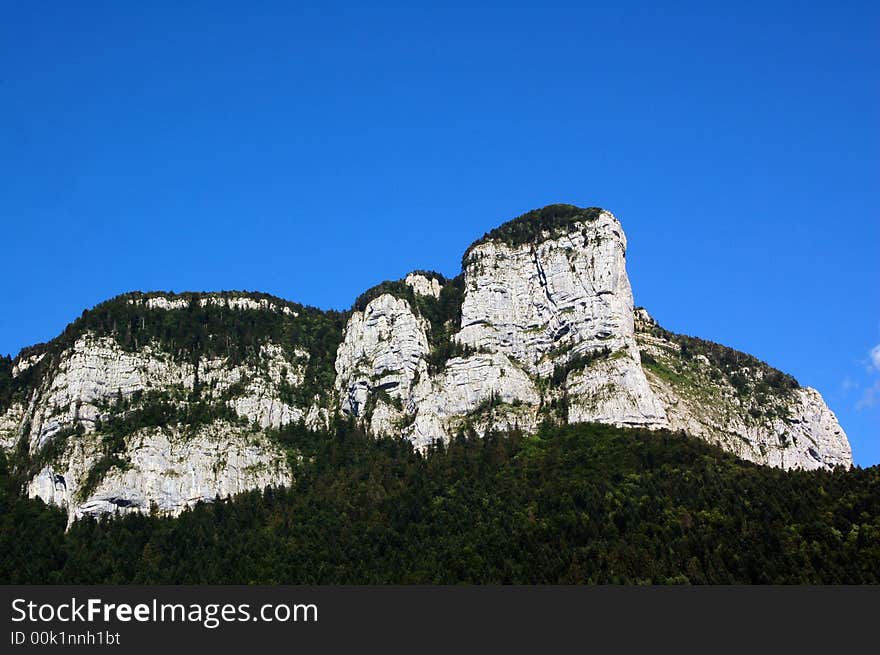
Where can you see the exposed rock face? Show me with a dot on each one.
(543, 304)
(383, 377)
(739, 403)
(381, 358)
(166, 468)
(424, 285)
(614, 390)
(95, 391)
(234, 302)
(527, 309)
(10, 426)
(96, 371)
(165, 400)
(567, 293)
(483, 391)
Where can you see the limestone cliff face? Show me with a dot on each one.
(380, 362)
(547, 330)
(164, 400)
(562, 296)
(739, 403)
(110, 428)
(528, 309)
(167, 469)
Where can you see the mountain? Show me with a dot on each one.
(161, 399)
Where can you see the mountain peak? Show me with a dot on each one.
(532, 225)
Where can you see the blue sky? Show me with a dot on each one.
(310, 150)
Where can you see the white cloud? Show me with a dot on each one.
(871, 394)
(875, 357)
(870, 398)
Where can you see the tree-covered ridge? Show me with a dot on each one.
(191, 327)
(577, 504)
(736, 367)
(398, 289)
(202, 328)
(133, 322)
(533, 224)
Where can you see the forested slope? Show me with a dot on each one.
(575, 504)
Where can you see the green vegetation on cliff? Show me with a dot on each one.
(530, 226)
(719, 385)
(200, 330)
(7, 388)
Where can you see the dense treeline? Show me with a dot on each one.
(397, 288)
(530, 226)
(210, 330)
(577, 504)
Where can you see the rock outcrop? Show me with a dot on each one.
(166, 469)
(380, 360)
(158, 401)
(739, 403)
(556, 298)
(424, 285)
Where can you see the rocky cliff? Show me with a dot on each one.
(158, 401)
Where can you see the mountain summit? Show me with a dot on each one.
(164, 400)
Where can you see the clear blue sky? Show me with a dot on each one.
(310, 150)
